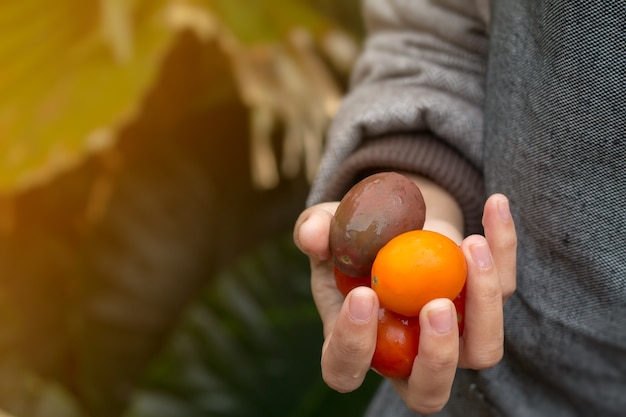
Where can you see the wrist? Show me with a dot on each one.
(443, 213)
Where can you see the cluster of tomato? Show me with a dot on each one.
(406, 266)
(414, 268)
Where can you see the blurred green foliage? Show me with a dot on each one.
(143, 270)
(247, 347)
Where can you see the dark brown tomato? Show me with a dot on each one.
(372, 212)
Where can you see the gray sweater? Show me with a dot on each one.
(526, 98)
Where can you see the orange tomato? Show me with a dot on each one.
(397, 343)
(416, 267)
(346, 283)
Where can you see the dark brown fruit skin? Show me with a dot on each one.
(372, 212)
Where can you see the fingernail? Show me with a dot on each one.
(481, 255)
(440, 316)
(504, 210)
(361, 306)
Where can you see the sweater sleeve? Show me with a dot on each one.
(415, 102)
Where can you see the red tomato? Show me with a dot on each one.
(346, 283)
(459, 303)
(397, 340)
(396, 344)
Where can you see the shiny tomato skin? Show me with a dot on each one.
(346, 283)
(396, 344)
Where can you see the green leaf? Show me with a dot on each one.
(248, 347)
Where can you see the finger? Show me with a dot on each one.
(500, 233)
(483, 336)
(427, 390)
(310, 233)
(311, 237)
(328, 300)
(348, 349)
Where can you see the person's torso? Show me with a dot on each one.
(555, 144)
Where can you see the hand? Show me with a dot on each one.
(350, 325)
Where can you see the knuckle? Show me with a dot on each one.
(490, 293)
(344, 363)
(441, 362)
(353, 349)
(427, 406)
(339, 383)
(508, 241)
(508, 289)
(486, 357)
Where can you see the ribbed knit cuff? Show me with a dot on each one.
(421, 154)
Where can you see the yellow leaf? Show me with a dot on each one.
(72, 73)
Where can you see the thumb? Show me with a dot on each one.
(310, 235)
(311, 231)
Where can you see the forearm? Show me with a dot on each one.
(414, 105)
(420, 155)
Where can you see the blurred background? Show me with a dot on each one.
(154, 155)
